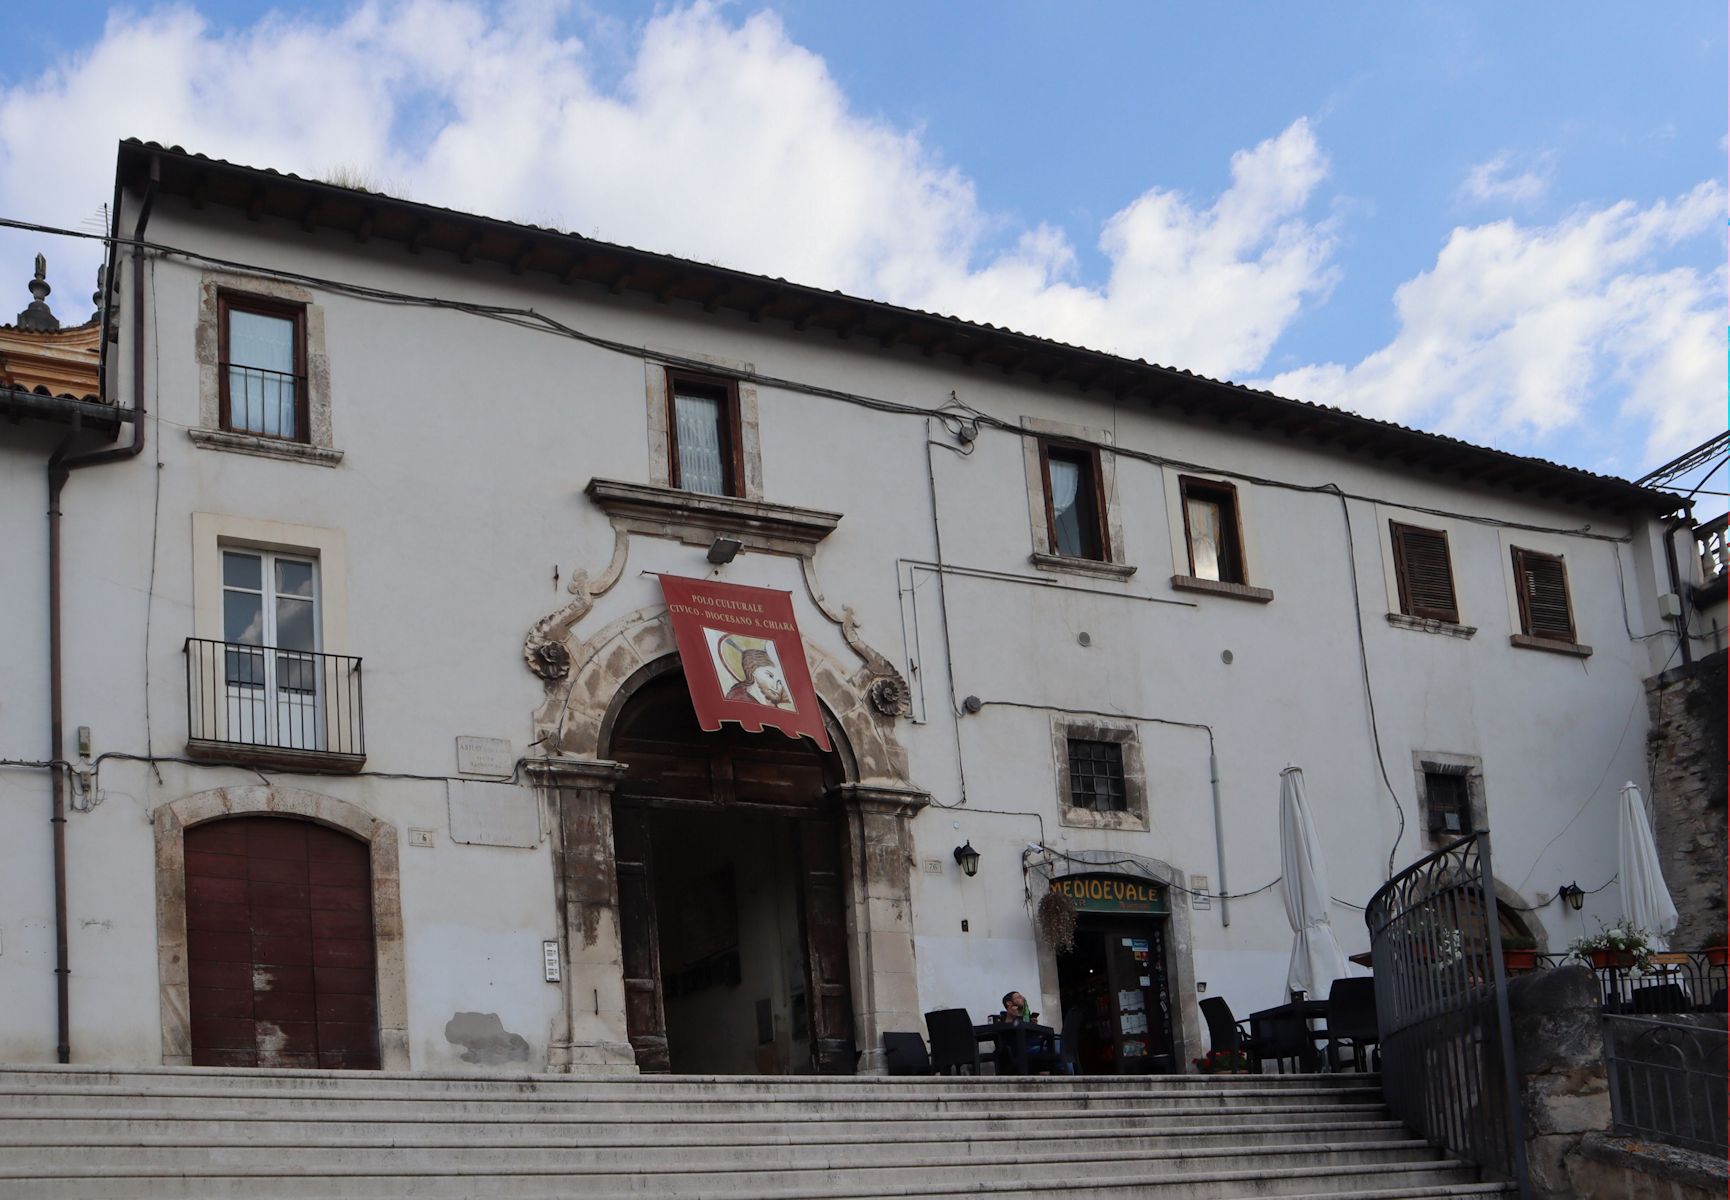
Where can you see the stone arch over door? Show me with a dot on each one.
(877, 808)
(577, 716)
(171, 822)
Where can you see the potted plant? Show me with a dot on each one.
(1224, 1062)
(1519, 952)
(1618, 945)
(1718, 956)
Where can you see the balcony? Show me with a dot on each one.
(268, 706)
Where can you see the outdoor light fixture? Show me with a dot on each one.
(968, 857)
(724, 549)
(1573, 894)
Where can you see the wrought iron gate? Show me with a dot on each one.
(1442, 1003)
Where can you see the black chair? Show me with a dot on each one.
(904, 1054)
(1657, 998)
(1225, 1031)
(1280, 1039)
(1352, 1021)
(954, 1049)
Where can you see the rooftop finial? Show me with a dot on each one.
(37, 315)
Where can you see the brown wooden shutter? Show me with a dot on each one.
(1542, 580)
(1424, 573)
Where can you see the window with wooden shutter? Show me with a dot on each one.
(1542, 583)
(1424, 573)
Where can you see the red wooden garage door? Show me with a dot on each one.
(279, 945)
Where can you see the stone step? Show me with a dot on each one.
(791, 1088)
(670, 1106)
(1078, 1179)
(1033, 1131)
(615, 1159)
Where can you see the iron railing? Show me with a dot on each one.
(269, 697)
(264, 401)
(1442, 1008)
(1667, 1081)
(1674, 981)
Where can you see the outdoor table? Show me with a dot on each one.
(1304, 1011)
(1010, 1041)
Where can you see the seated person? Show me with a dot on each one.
(1015, 1010)
(1017, 1052)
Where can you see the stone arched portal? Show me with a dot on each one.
(875, 805)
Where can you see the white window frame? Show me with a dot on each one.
(272, 714)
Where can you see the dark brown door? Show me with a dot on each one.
(824, 912)
(645, 1018)
(279, 945)
(674, 764)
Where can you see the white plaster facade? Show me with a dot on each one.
(454, 519)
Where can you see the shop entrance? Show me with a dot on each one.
(732, 915)
(1118, 974)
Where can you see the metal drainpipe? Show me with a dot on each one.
(1686, 521)
(1218, 833)
(60, 469)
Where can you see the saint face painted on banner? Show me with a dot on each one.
(749, 669)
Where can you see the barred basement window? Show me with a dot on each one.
(1448, 801)
(1542, 583)
(1096, 776)
(1424, 573)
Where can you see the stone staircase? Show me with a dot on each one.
(206, 1132)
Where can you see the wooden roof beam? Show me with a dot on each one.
(470, 247)
(363, 231)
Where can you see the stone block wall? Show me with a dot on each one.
(1565, 1099)
(1688, 755)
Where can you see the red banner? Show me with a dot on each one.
(743, 658)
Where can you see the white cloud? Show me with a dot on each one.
(724, 141)
(1497, 181)
(708, 135)
(1516, 332)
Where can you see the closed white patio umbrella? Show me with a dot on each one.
(1316, 957)
(1646, 901)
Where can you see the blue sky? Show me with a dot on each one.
(1503, 222)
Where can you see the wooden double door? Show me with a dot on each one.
(677, 768)
(279, 942)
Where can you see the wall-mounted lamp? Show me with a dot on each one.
(1573, 895)
(724, 549)
(968, 857)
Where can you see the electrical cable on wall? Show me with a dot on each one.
(529, 318)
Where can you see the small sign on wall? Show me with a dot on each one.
(485, 756)
(1199, 897)
(492, 814)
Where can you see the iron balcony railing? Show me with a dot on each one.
(268, 697)
(1674, 981)
(1667, 1081)
(1442, 1008)
(264, 401)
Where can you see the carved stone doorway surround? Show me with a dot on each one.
(1180, 957)
(171, 821)
(878, 820)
